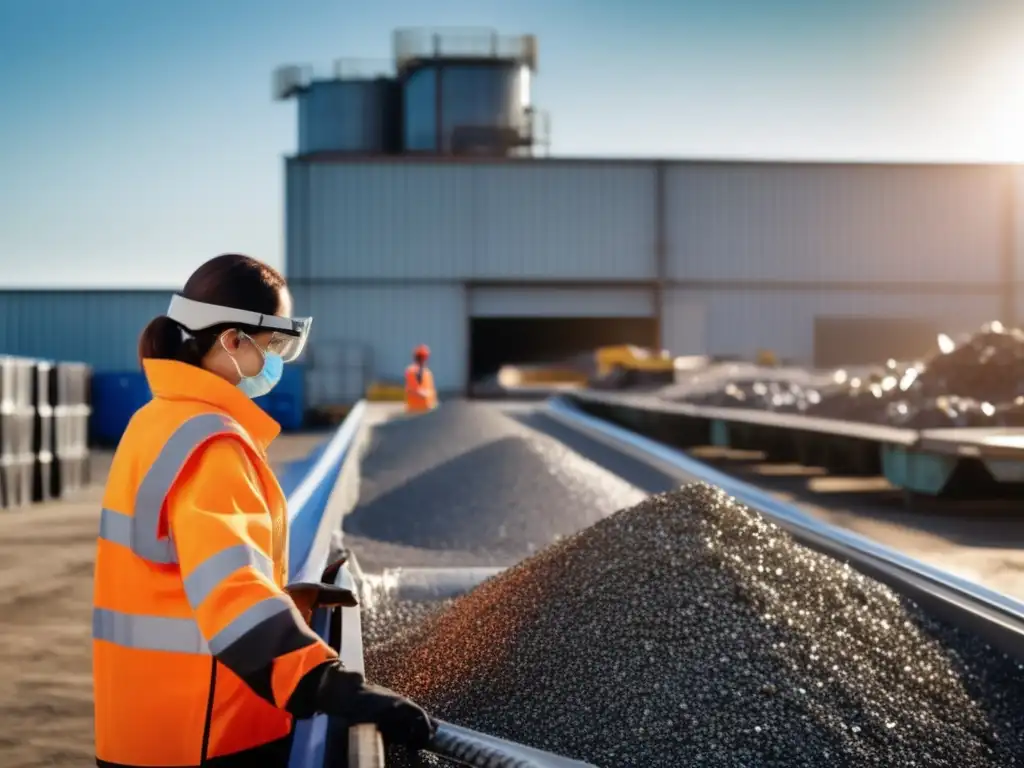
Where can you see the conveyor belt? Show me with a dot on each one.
(652, 467)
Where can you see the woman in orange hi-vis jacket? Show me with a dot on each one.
(420, 394)
(201, 658)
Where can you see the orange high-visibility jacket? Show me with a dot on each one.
(196, 647)
(420, 394)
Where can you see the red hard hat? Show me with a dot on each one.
(421, 351)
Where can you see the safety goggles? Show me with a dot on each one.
(288, 337)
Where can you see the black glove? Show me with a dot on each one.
(332, 690)
(399, 720)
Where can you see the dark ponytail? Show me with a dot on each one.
(162, 340)
(231, 280)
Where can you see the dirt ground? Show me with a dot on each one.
(46, 561)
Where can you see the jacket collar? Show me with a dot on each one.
(171, 380)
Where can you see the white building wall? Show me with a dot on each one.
(741, 322)
(364, 333)
(814, 223)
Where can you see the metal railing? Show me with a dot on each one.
(411, 45)
(289, 79)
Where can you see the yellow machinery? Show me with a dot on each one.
(385, 392)
(517, 377)
(628, 365)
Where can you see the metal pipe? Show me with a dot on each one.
(479, 750)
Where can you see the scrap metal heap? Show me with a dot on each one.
(974, 381)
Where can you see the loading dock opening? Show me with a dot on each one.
(498, 341)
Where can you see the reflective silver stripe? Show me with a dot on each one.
(155, 486)
(116, 527)
(140, 533)
(246, 621)
(208, 575)
(150, 633)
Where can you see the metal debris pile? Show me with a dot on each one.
(468, 485)
(690, 631)
(977, 381)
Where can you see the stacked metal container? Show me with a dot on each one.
(44, 415)
(17, 416)
(69, 397)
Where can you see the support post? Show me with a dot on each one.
(660, 251)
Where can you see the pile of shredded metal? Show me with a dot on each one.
(468, 485)
(690, 631)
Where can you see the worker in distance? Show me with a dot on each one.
(420, 393)
(202, 656)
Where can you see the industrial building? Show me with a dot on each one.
(421, 208)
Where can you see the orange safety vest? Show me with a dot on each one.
(420, 394)
(196, 646)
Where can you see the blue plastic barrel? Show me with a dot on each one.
(115, 399)
(117, 396)
(286, 404)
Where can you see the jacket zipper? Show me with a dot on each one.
(208, 721)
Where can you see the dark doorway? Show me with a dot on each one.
(498, 341)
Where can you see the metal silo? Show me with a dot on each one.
(465, 92)
(344, 114)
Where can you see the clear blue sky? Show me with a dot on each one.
(137, 137)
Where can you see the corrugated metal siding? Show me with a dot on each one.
(818, 223)
(465, 221)
(385, 220)
(97, 327)
(387, 321)
(742, 322)
(684, 323)
(561, 302)
(565, 221)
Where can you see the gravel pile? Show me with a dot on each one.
(690, 631)
(466, 485)
(385, 618)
